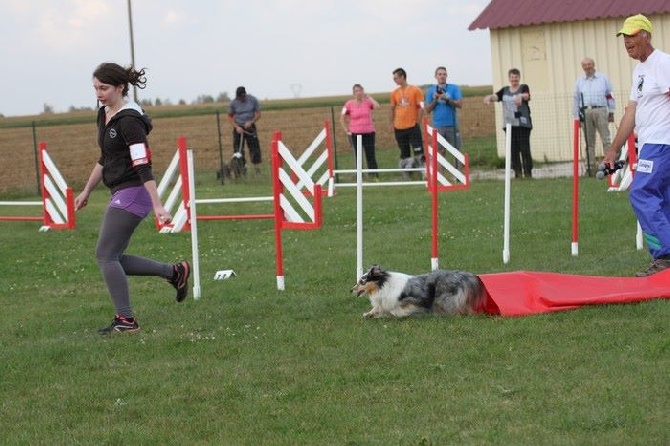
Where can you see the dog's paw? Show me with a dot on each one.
(373, 314)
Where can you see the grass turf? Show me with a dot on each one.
(247, 364)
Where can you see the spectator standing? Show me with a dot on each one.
(648, 113)
(243, 113)
(593, 105)
(442, 100)
(356, 119)
(406, 114)
(124, 167)
(516, 111)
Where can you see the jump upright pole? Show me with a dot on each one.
(575, 189)
(508, 184)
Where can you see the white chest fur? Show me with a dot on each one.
(387, 298)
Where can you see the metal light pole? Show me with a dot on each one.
(132, 45)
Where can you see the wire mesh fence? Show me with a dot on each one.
(74, 148)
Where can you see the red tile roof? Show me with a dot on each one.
(512, 13)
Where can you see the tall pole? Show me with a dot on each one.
(132, 44)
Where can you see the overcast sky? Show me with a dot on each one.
(276, 48)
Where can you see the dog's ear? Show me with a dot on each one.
(375, 270)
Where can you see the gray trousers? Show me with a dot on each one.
(451, 134)
(595, 119)
(453, 137)
(117, 228)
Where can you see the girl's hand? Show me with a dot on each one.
(81, 201)
(163, 216)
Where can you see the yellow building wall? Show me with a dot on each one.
(549, 58)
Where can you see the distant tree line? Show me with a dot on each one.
(202, 99)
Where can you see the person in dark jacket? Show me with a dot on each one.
(516, 112)
(124, 167)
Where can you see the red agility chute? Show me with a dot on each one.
(522, 293)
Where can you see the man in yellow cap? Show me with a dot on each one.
(648, 113)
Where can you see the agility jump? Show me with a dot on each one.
(291, 201)
(57, 198)
(431, 139)
(435, 182)
(176, 180)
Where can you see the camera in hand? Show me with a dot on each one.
(606, 169)
(439, 90)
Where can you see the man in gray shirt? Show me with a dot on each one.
(593, 105)
(243, 112)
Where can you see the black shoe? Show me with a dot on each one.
(120, 324)
(654, 267)
(179, 280)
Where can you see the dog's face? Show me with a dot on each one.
(370, 282)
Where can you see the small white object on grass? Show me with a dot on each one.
(224, 274)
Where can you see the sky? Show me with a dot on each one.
(191, 48)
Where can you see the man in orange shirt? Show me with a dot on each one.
(406, 115)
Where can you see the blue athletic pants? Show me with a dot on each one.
(650, 197)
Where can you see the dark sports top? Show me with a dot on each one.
(124, 153)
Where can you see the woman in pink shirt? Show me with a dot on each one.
(356, 119)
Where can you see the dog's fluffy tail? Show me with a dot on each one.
(456, 292)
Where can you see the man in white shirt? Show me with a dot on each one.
(648, 113)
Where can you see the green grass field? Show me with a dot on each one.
(249, 365)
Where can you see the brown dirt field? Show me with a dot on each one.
(74, 151)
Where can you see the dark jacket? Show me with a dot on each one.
(518, 116)
(129, 126)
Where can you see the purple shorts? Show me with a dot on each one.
(135, 200)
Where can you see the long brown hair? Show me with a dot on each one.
(114, 74)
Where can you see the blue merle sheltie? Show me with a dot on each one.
(441, 292)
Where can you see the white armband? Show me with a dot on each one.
(140, 154)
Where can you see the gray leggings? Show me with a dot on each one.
(117, 228)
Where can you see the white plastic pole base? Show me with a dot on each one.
(506, 256)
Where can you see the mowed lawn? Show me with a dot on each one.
(250, 365)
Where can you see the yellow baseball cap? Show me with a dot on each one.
(634, 24)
